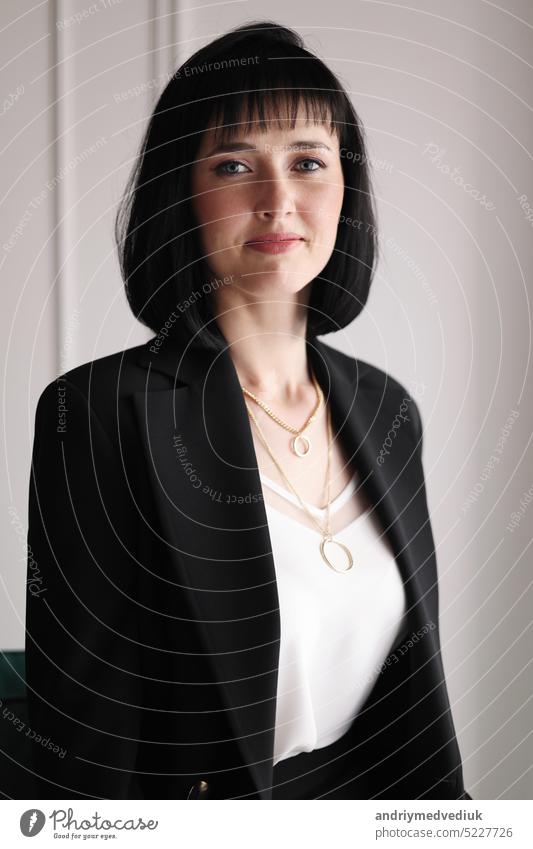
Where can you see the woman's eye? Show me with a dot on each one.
(316, 162)
(220, 169)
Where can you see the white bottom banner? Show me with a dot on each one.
(233, 823)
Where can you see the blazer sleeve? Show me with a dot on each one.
(419, 437)
(82, 666)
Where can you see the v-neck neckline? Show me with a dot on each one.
(335, 504)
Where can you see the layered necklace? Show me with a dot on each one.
(325, 530)
(301, 445)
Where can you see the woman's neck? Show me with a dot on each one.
(268, 349)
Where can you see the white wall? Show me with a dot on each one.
(449, 313)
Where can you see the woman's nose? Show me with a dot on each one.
(274, 197)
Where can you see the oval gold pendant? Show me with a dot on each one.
(344, 548)
(307, 445)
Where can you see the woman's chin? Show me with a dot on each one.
(280, 282)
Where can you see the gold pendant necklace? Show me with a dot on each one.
(327, 537)
(301, 444)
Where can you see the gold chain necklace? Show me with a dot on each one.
(327, 537)
(303, 449)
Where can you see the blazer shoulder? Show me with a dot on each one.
(355, 367)
(102, 385)
(102, 377)
(370, 378)
(384, 381)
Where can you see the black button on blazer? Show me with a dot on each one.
(153, 622)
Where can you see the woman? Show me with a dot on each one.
(239, 587)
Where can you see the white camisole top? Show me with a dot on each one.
(336, 629)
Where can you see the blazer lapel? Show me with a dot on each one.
(200, 453)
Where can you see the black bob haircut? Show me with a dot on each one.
(257, 69)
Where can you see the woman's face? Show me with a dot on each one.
(282, 183)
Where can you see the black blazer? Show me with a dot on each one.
(152, 611)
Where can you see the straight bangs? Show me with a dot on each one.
(263, 103)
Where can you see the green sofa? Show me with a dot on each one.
(16, 780)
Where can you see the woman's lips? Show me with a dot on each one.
(274, 246)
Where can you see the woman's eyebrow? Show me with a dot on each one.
(230, 146)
